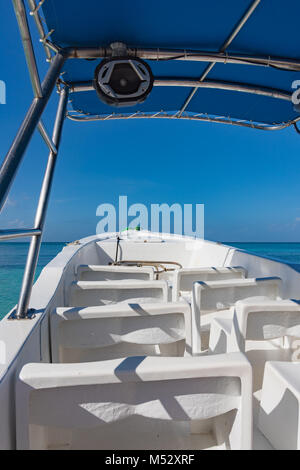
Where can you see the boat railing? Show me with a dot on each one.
(42, 93)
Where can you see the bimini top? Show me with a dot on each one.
(226, 61)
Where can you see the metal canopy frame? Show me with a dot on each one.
(157, 54)
(42, 92)
(222, 49)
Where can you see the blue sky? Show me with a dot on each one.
(247, 179)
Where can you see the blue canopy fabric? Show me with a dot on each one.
(272, 30)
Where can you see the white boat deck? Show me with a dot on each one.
(188, 374)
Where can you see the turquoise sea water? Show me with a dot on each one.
(13, 257)
(12, 261)
(287, 252)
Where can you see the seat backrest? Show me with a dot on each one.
(185, 277)
(59, 405)
(219, 295)
(114, 273)
(89, 293)
(261, 319)
(278, 416)
(120, 330)
(209, 297)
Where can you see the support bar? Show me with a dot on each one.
(35, 13)
(185, 55)
(190, 117)
(46, 137)
(229, 86)
(214, 84)
(10, 234)
(28, 48)
(40, 216)
(15, 154)
(227, 43)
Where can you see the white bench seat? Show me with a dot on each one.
(114, 273)
(185, 277)
(263, 328)
(211, 297)
(261, 319)
(59, 405)
(90, 293)
(279, 413)
(119, 330)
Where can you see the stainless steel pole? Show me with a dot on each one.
(223, 48)
(14, 156)
(35, 13)
(28, 47)
(9, 234)
(44, 134)
(214, 84)
(186, 55)
(40, 216)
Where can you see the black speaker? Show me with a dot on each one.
(123, 81)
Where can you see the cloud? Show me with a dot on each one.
(9, 203)
(16, 223)
(64, 200)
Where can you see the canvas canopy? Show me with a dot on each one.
(238, 91)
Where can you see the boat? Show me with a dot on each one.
(139, 340)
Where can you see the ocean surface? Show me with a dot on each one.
(12, 261)
(13, 257)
